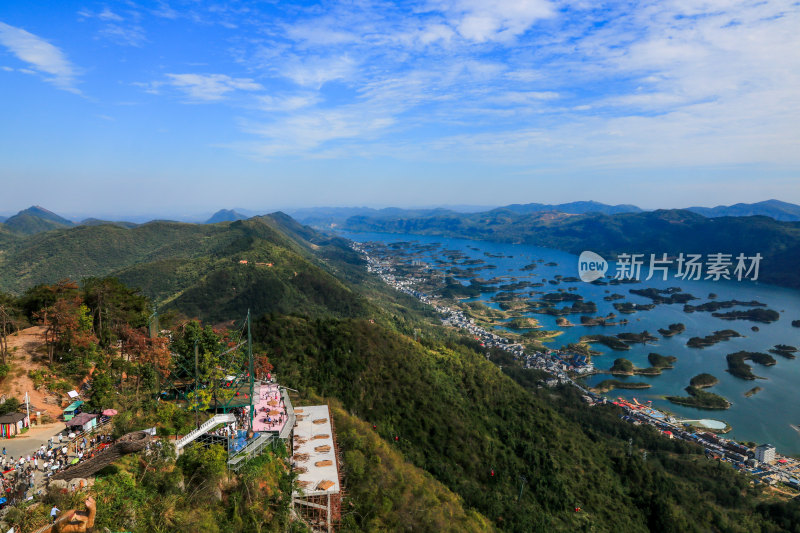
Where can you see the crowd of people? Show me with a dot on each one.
(21, 475)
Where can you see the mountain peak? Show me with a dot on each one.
(225, 215)
(36, 219)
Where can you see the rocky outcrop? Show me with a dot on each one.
(129, 443)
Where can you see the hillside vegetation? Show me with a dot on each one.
(457, 444)
(197, 268)
(480, 433)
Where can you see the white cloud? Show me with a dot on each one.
(208, 87)
(308, 132)
(107, 14)
(317, 71)
(494, 20)
(124, 30)
(133, 35)
(40, 55)
(288, 102)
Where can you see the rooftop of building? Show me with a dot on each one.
(315, 453)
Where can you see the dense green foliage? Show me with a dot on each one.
(661, 361)
(611, 384)
(387, 493)
(35, 220)
(703, 380)
(622, 366)
(458, 418)
(701, 399)
(197, 268)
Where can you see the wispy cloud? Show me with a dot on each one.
(40, 55)
(493, 20)
(133, 35)
(123, 27)
(203, 87)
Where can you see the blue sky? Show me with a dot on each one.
(174, 108)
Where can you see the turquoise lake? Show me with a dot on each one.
(762, 418)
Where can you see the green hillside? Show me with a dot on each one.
(454, 414)
(36, 220)
(198, 268)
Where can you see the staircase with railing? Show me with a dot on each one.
(204, 428)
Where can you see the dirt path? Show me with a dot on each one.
(25, 358)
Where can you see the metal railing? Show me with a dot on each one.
(205, 427)
(255, 448)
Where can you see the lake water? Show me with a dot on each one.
(763, 418)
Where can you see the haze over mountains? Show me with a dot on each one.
(771, 228)
(606, 229)
(36, 219)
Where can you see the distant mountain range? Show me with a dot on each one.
(37, 219)
(333, 217)
(776, 209)
(575, 208)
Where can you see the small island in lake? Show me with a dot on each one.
(635, 338)
(622, 367)
(661, 361)
(700, 398)
(577, 307)
(607, 320)
(562, 297)
(563, 322)
(766, 316)
(672, 295)
(703, 380)
(716, 306)
(711, 340)
(630, 308)
(752, 391)
(740, 369)
(672, 330)
(608, 385)
(523, 323)
(621, 341)
(784, 350)
(612, 342)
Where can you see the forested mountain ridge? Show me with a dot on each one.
(187, 266)
(36, 219)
